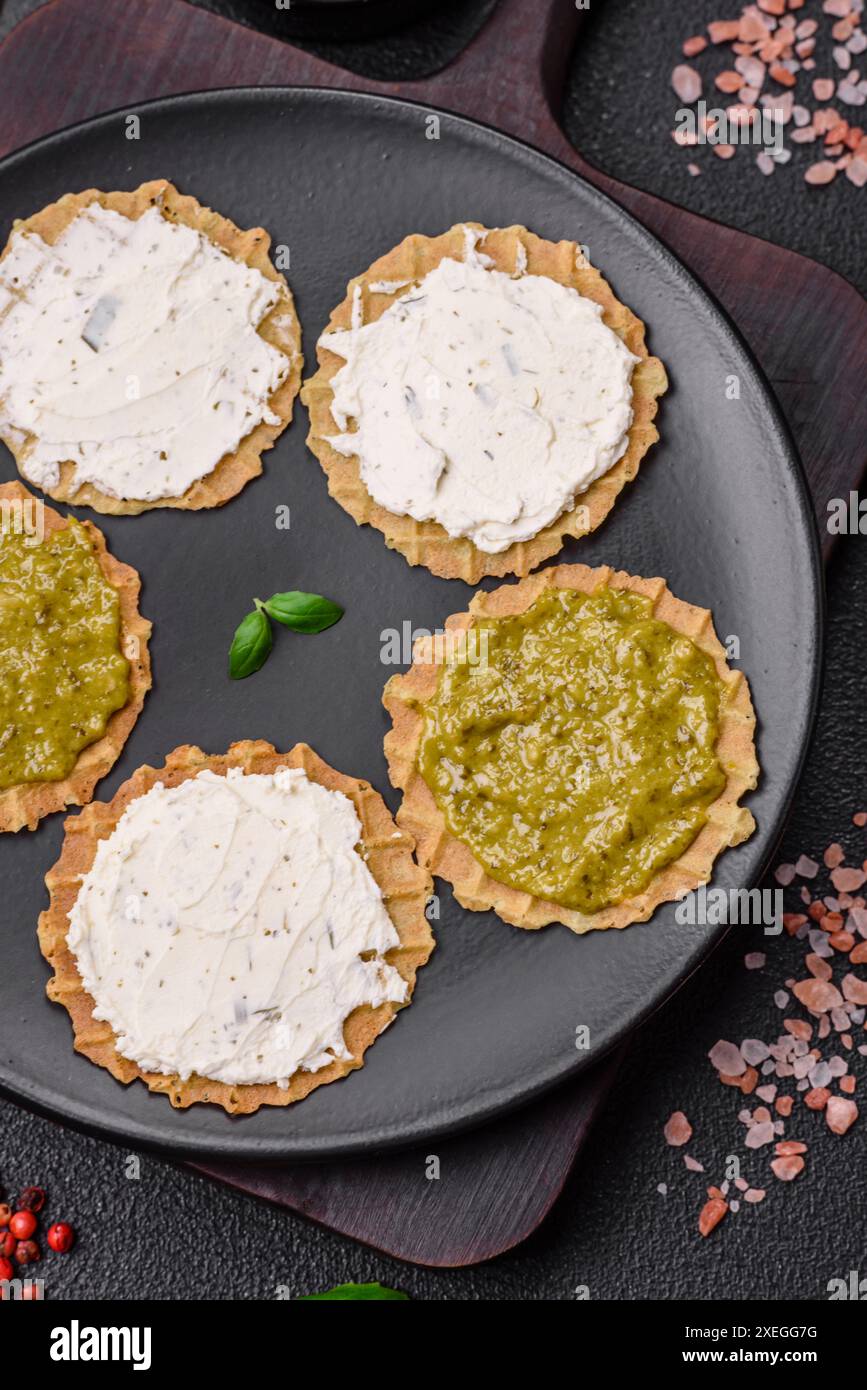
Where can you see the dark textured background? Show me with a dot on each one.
(172, 1235)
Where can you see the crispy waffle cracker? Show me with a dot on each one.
(388, 854)
(426, 542)
(449, 858)
(280, 328)
(28, 802)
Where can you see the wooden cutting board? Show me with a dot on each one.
(808, 327)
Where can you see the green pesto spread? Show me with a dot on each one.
(576, 757)
(62, 673)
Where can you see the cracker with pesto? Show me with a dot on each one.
(594, 756)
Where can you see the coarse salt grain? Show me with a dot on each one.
(678, 1129)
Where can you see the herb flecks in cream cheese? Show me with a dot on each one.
(580, 758)
(229, 927)
(129, 348)
(484, 401)
(62, 672)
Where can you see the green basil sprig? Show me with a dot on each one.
(251, 645)
(303, 612)
(355, 1291)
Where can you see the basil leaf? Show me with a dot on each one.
(303, 612)
(355, 1291)
(251, 645)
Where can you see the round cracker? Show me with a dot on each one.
(387, 852)
(426, 542)
(27, 802)
(280, 328)
(449, 858)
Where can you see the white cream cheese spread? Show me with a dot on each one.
(481, 400)
(228, 927)
(130, 349)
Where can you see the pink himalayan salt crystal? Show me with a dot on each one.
(823, 88)
(834, 854)
(693, 1164)
(818, 995)
(727, 1058)
(848, 880)
(855, 990)
(856, 172)
(858, 915)
(755, 960)
(693, 170)
(678, 1129)
(786, 1168)
(695, 45)
(662, 1189)
(754, 1051)
(823, 172)
(784, 873)
(818, 967)
(838, 8)
(767, 1093)
(841, 1114)
(805, 866)
(724, 151)
(781, 998)
(751, 69)
(754, 1194)
(686, 83)
(759, 1135)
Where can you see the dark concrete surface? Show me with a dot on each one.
(167, 1234)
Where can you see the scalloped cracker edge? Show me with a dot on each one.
(387, 852)
(439, 851)
(27, 802)
(280, 328)
(426, 542)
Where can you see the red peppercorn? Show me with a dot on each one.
(7, 1244)
(60, 1237)
(5, 1214)
(7, 1269)
(27, 1252)
(31, 1199)
(22, 1225)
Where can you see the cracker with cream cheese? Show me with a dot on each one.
(514, 251)
(26, 803)
(387, 852)
(280, 328)
(445, 856)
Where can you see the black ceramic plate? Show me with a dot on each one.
(720, 509)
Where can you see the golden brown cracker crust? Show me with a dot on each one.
(449, 858)
(28, 802)
(388, 853)
(280, 328)
(427, 543)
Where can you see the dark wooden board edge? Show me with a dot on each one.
(457, 1202)
(62, 65)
